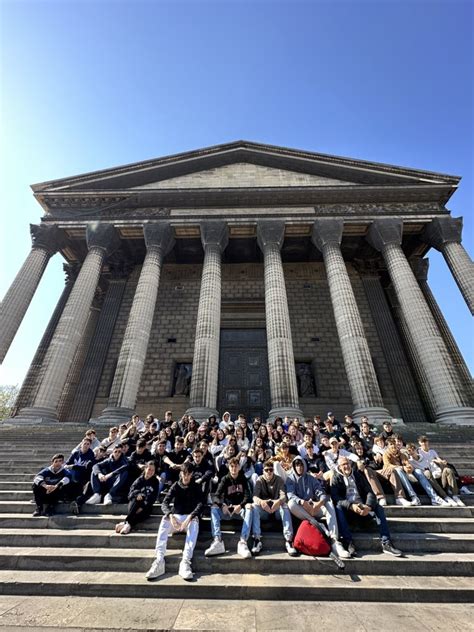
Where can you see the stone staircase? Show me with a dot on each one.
(82, 556)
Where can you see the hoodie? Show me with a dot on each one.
(304, 487)
(50, 477)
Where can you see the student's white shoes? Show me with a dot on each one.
(185, 570)
(243, 550)
(108, 499)
(217, 548)
(94, 500)
(339, 550)
(403, 502)
(156, 570)
(457, 501)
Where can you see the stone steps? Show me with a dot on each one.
(81, 555)
(301, 587)
(273, 561)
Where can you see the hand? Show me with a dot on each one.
(316, 506)
(265, 506)
(51, 488)
(175, 523)
(185, 524)
(140, 497)
(365, 510)
(226, 510)
(198, 481)
(237, 509)
(356, 509)
(102, 478)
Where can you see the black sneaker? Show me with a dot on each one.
(74, 508)
(49, 511)
(387, 547)
(38, 512)
(257, 546)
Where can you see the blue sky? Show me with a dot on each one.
(90, 85)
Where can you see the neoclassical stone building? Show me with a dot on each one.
(249, 278)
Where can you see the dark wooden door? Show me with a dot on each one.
(243, 373)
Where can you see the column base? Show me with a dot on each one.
(375, 414)
(113, 415)
(202, 413)
(33, 416)
(456, 416)
(285, 411)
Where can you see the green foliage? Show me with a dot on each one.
(8, 395)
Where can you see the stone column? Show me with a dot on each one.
(449, 402)
(281, 361)
(365, 391)
(159, 241)
(203, 395)
(444, 234)
(46, 240)
(30, 383)
(420, 268)
(102, 239)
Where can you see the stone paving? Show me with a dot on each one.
(81, 614)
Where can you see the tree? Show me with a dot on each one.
(8, 395)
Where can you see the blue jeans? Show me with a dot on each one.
(406, 482)
(217, 515)
(113, 486)
(424, 482)
(283, 514)
(378, 515)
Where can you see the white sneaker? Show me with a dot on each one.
(257, 546)
(290, 549)
(458, 501)
(438, 502)
(94, 500)
(126, 529)
(217, 548)
(185, 570)
(465, 490)
(451, 502)
(339, 550)
(351, 549)
(119, 527)
(243, 550)
(383, 502)
(415, 501)
(156, 569)
(403, 502)
(108, 499)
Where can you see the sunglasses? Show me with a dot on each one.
(268, 469)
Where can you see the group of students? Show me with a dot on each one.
(324, 474)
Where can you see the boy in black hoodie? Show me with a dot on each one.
(231, 500)
(182, 507)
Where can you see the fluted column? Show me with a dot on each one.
(203, 395)
(420, 268)
(281, 361)
(444, 234)
(365, 391)
(101, 240)
(159, 240)
(45, 242)
(448, 398)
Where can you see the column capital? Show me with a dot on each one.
(159, 234)
(420, 268)
(104, 236)
(214, 233)
(270, 231)
(48, 237)
(385, 231)
(442, 230)
(327, 231)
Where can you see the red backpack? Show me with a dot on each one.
(310, 541)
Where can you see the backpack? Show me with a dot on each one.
(310, 541)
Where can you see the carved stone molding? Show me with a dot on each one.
(48, 237)
(393, 208)
(100, 235)
(270, 231)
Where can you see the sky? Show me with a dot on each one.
(88, 85)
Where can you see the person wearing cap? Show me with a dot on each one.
(332, 455)
(182, 507)
(355, 501)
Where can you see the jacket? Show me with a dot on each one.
(147, 488)
(339, 489)
(304, 487)
(233, 491)
(111, 465)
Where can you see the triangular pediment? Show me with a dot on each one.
(246, 175)
(244, 164)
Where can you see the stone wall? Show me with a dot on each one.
(311, 317)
